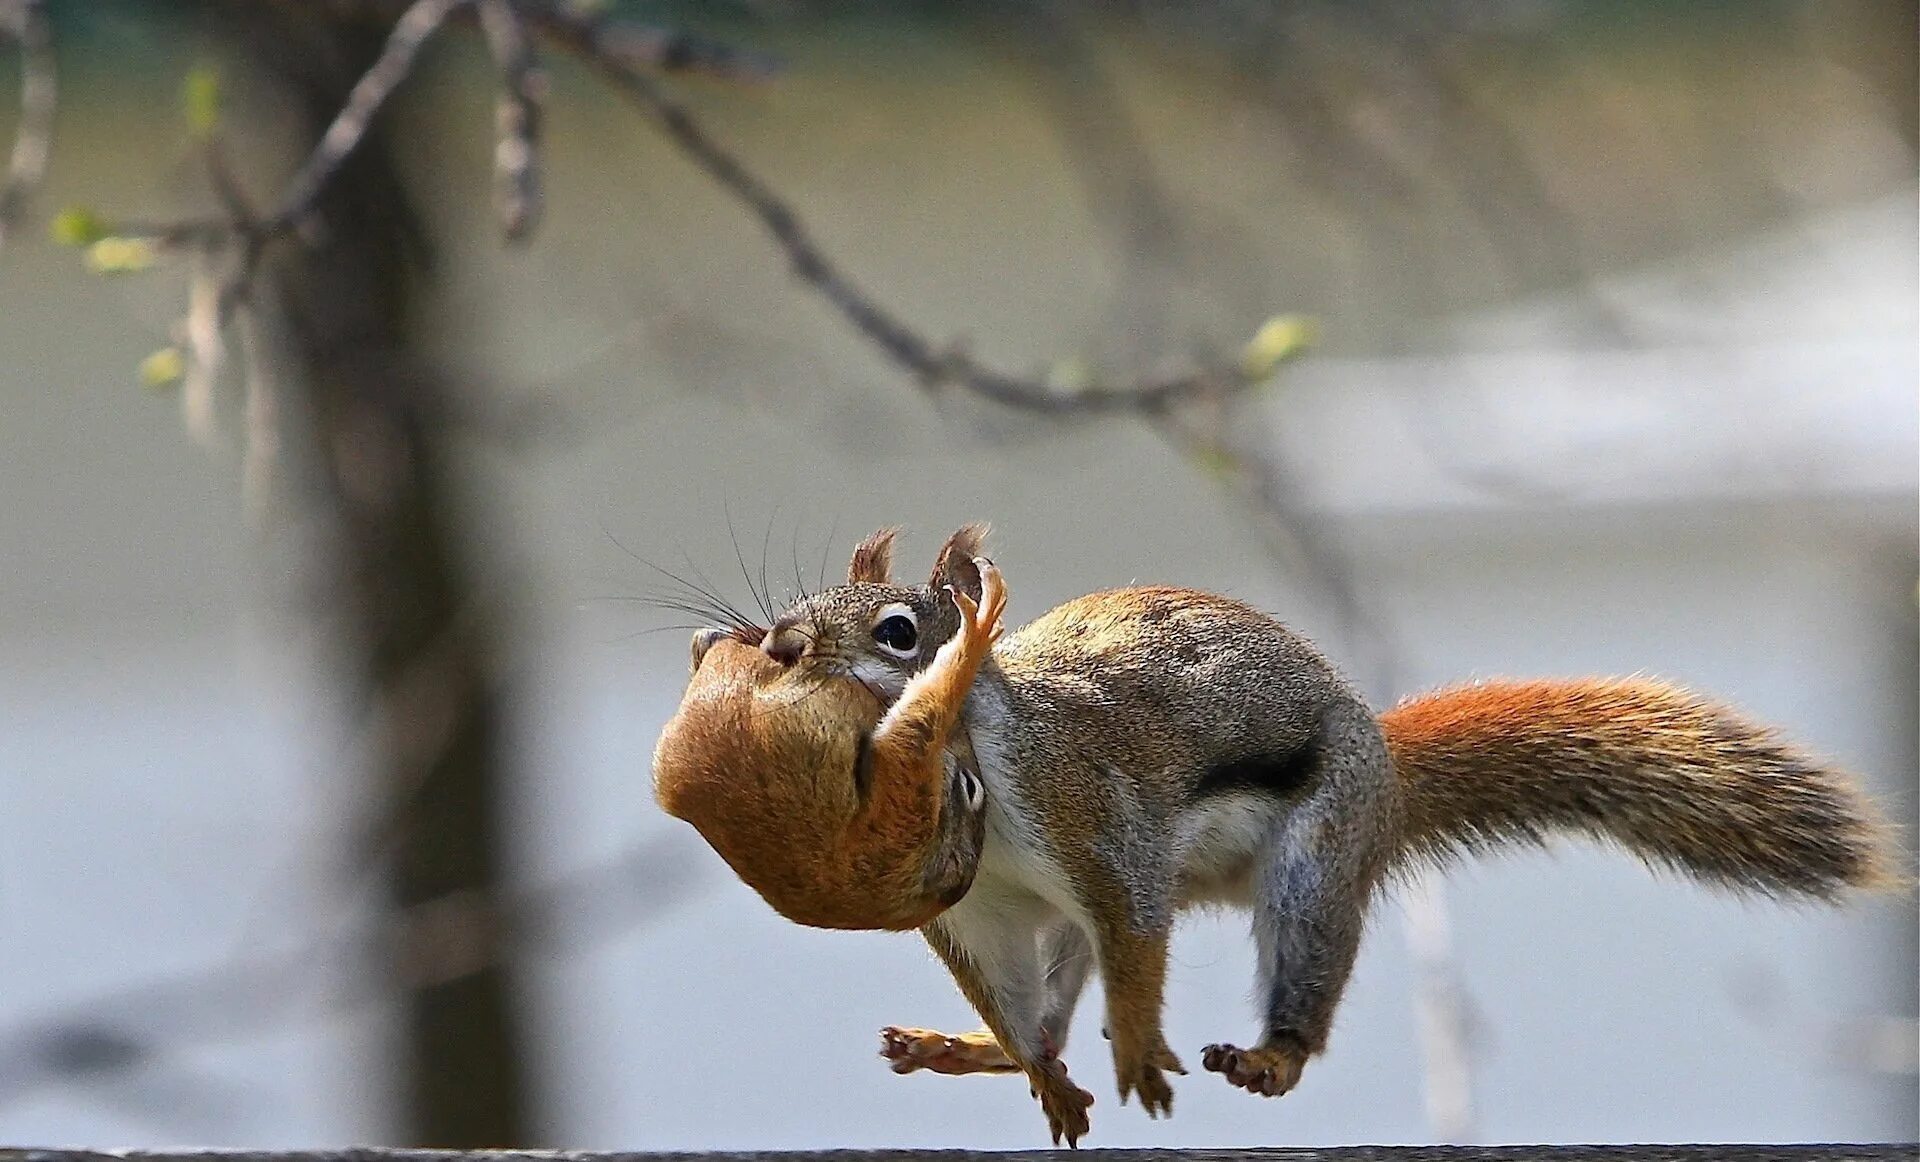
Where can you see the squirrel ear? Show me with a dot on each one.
(873, 559)
(954, 566)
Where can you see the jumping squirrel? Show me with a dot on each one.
(1044, 808)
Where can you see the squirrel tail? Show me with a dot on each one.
(1680, 781)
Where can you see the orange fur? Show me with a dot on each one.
(1678, 779)
(760, 759)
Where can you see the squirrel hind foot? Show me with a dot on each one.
(1268, 1071)
(1064, 1103)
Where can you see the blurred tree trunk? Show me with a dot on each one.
(417, 639)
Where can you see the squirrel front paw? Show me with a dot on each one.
(1064, 1103)
(980, 625)
(1141, 1071)
(910, 1050)
(1269, 1070)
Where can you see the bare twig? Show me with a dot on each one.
(506, 34)
(516, 163)
(206, 350)
(26, 22)
(898, 341)
(410, 34)
(1265, 486)
(261, 420)
(370, 94)
(612, 48)
(672, 50)
(227, 250)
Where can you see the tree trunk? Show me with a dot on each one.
(417, 639)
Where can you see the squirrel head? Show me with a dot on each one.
(767, 756)
(872, 629)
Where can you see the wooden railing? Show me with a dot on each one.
(1878, 1152)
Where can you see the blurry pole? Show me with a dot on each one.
(414, 638)
(1440, 1006)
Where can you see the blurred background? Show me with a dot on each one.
(328, 685)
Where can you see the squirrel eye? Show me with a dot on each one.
(975, 791)
(897, 633)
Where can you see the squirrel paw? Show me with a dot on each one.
(1065, 1103)
(980, 625)
(1269, 1070)
(1143, 1074)
(908, 1050)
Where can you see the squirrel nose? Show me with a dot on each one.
(703, 641)
(783, 645)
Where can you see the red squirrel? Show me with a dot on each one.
(1044, 806)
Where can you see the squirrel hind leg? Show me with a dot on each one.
(1066, 958)
(1312, 880)
(1066, 954)
(989, 946)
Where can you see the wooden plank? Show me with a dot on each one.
(1875, 1152)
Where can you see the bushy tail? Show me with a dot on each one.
(1679, 780)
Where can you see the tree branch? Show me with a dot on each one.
(25, 21)
(394, 64)
(516, 163)
(593, 40)
(348, 129)
(672, 50)
(616, 51)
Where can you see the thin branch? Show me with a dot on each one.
(206, 348)
(612, 49)
(239, 238)
(1265, 486)
(261, 417)
(26, 22)
(410, 34)
(516, 162)
(672, 50)
(504, 26)
(932, 365)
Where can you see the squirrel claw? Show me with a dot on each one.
(1164, 1058)
(993, 597)
(1145, 1077)
(1064, 1103)
(1268, 1071)
(1156, 1096)
(982, 617)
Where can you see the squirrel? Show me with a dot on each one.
(1045, 806)
(858, 814)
